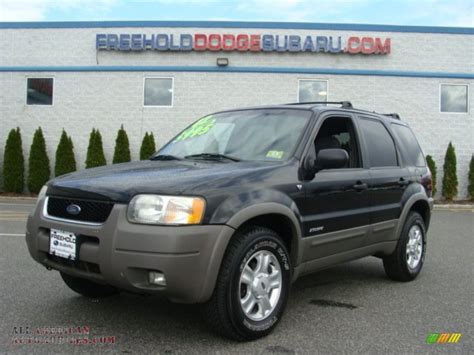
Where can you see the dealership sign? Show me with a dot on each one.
(243, 43)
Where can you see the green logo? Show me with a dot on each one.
(443, 338)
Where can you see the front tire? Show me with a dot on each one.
(405, 263)
(88, 288)
(252, 287)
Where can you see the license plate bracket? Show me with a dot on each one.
(62, 244)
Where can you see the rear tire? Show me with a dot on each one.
(88, 288)
(252, 287)
(405, 263)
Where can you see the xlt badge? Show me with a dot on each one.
(316, 229)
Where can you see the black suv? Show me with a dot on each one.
(239, 205)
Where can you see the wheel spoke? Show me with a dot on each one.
(259, 258)
(248, 303)
(274, 279)
(247, 275)
(265, 304)
(265, 263)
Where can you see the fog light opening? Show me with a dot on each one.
(157, 278)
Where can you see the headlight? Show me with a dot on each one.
(157, 209)
(42, 192)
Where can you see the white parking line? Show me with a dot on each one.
(11, 235)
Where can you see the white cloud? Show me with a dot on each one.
(298, 10)
(22, 10)
(402, 12)
(36, 10)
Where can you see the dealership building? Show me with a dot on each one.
(160, 76)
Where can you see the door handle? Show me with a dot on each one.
(360, 186)
(403, 182)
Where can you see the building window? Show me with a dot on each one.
(312, 90)
(39, 91)
(158, 92)
(454, 98)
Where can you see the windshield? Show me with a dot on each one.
(269, 135)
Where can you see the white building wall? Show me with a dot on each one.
(105, 100)
(76, 46)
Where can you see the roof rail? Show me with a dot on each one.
(393, 115)
(344, 104)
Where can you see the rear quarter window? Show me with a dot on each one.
(408, 145)
(380, 145)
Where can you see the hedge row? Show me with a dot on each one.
(39, 171)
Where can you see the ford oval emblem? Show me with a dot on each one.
(73, 209)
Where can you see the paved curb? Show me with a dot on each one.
(454, 206)
(17, 199)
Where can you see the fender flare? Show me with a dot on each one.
(265, 208)
(407, 207)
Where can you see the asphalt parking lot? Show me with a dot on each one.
(349, 308)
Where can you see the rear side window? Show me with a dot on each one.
(381, 148)
(409, 145)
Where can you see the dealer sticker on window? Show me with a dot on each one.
(276, 154)
(197, 129)
(63, 244)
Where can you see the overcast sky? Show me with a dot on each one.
(400, 12)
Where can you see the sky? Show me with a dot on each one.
(458, 13)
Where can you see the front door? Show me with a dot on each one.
(336, 213)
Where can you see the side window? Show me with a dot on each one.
(409, 145)
(338, 132)
(380, 145)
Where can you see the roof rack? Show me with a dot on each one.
(393, 115)
(344, 104)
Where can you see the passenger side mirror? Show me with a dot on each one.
(331, 159)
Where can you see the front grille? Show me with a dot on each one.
(90, 211)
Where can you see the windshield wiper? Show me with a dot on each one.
(165, 157)
(211, 156)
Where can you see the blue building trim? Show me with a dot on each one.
(240, 24)
(215, 69)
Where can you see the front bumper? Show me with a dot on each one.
(121, 254)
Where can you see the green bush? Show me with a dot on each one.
(470, 186)
(450, 179)
(432, 165)
(122, 147)
(13, 163)
(38, 163)
(65, 161)
(95, 150)
(148, 146)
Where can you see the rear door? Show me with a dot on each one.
(388, 179)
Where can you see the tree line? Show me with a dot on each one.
(39, 171)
